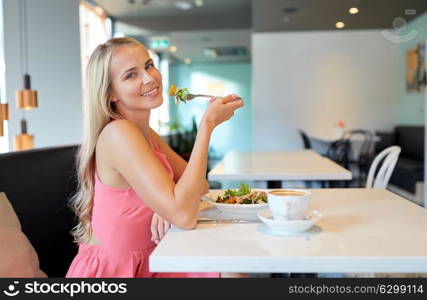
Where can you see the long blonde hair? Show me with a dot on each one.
(98, 111)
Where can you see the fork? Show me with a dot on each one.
(208, 221)
(192, 96)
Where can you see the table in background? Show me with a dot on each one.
(305, 165)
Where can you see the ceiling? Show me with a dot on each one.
(293, 15)
(161, 8)
(164, 15)
(229, 23)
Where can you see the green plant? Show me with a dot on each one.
(182, 141)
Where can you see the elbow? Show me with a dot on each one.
(188, 226)
(186, 221)
(184, 211)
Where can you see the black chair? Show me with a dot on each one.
(39, 184)
(305, 139)
(410, 167)
(339, 151)
(360, 161)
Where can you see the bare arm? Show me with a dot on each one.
(177, 162)
(130, 154)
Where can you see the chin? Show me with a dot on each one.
(157, 102)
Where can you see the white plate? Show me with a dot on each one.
(237, 211)
(289, 226)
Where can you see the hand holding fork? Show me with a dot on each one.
(192, 96)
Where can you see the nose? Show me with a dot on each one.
(146, 78)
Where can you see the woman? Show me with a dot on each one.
(132, 185)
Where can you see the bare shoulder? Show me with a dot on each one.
(121, 137)
(120, 143)
(105, 168)
(119, 128)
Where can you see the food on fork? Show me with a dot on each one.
(244, 195)
(178, 93)
(184, 95)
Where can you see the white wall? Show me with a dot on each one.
(54, 66)
(310, 80)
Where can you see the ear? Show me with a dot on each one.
(112, 97)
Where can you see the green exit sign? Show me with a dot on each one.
(159, 44)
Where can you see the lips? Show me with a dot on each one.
(151, 92)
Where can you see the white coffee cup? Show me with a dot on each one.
(289, 204)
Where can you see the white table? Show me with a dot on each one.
(362, 230)
(274, 166)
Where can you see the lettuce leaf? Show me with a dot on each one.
(181, 94)
(243, 190)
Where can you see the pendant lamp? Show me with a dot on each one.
(26, 98)
(4, 116)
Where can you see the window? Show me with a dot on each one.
(95, 29)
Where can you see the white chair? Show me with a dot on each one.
(390, 156)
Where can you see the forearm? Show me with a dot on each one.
(192, 183)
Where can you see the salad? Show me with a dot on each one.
(179, 94)
(243, 195)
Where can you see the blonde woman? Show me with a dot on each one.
(132, 185)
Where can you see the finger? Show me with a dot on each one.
(229, 98)
(236, 104)
(160, 230)
(154, 234)
(212, 100)
(167, 226)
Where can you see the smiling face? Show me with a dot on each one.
(136, 84)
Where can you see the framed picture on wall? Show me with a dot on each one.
(416, 69)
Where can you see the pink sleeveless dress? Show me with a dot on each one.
(121, 223)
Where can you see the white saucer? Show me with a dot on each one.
(264, 229)
(289, 226)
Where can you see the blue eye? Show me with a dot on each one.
(131, 75)
(149, 66)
